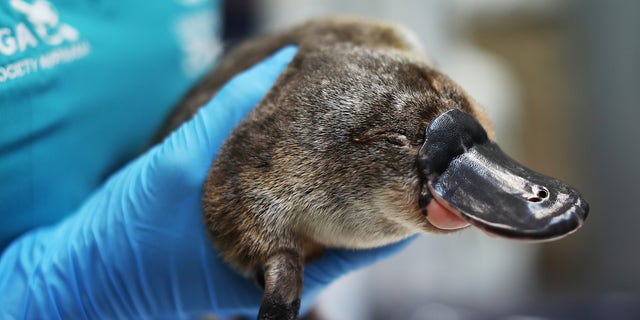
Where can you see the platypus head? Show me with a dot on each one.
(402, 148)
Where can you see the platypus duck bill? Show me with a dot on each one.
(469, 177)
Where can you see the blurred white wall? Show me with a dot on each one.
(467, 269)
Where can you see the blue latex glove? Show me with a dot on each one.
(137, 248)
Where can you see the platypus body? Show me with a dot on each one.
(359, 137)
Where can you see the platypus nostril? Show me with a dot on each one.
(543, 193)
(540, 196)
(534, 199)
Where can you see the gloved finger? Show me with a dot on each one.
(184, 157)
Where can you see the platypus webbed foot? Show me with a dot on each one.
(282, 279)
(469, 174)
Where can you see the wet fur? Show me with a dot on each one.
(328, 157)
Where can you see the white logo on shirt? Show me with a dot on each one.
(41, 25)
(44, 20)
(198, 41)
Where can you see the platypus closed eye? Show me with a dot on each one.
(395, 137)
(398, 139)
(404, 141)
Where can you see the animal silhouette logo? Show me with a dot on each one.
(44, 18)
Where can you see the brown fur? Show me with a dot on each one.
(328, 157)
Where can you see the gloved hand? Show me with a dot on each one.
(137, 248)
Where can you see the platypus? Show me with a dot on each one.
(360, 143)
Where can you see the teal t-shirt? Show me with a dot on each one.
(84, 84)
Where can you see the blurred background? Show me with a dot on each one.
(561, 82)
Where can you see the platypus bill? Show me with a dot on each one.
(469, 175)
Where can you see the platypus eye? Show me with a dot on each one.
(401, 139)
(397, 139)
(393, 137)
